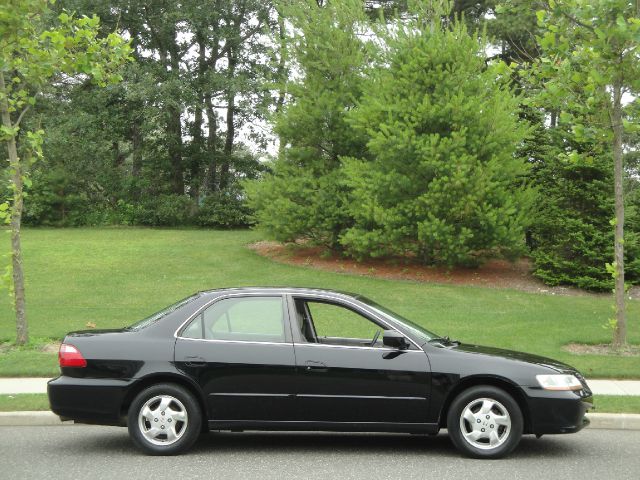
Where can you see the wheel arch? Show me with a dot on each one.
(154, 379)
(500, 382)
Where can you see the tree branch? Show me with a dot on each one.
(17, 124)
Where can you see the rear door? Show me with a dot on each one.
(347, 377)
(239, 350)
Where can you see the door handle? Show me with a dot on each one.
(195, 361)
(313, 366)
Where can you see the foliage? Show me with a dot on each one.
(225, 209)
(591, 51)
(179, 122)
(571, 234)
(33, 56)
(443, 183)
(303, 197)
(168, 210)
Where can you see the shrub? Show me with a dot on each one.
(168, 210)
(224, 209)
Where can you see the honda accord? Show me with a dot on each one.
(307, 359)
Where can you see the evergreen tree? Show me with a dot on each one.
(443, 183)
(304, 196)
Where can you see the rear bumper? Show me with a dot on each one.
(86, 400)
(558, 412)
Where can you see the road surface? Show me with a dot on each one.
(91, 452)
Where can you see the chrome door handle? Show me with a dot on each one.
(313, 366)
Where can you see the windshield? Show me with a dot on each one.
(145, 322)
(419, 331)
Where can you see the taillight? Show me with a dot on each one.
(70, 356)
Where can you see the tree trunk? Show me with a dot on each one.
(209, 182)
(136, 156)
(22, 330)
(174, 134)
(620, 331)
(281, 75)
(230, 120)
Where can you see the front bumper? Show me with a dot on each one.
(86, 400)
(558, 412)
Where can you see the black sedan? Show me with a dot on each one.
(307, 359)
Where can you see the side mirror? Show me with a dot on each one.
(394, 339)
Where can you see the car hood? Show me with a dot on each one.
(513, 355)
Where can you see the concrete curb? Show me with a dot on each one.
(33, 419)
(615, 421)
(609, 421)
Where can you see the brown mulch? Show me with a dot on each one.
(493, 274)
(602, 349)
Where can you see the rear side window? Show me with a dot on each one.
(145, 322)
(252, 319)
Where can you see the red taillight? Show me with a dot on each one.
(70, 356)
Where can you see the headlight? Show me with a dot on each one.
(559, 382)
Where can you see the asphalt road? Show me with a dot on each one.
(87, 452)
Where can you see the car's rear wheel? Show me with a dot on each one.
(485, 422)
(164, 419)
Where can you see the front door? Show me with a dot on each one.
(347, 374)
(239, 350)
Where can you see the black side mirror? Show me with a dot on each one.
(394, 339)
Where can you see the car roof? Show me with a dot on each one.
(281, 290)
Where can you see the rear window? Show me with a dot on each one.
(150, 320)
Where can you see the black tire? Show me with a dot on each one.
(185, 426)
(507, 437)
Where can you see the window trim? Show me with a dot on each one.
(286, 327)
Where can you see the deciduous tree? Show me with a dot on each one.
(31, 57)
(593, 48)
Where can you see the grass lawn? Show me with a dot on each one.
(39, 401)
(24, 402)
(616, 404)
(111, 277)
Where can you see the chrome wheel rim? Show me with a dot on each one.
(163, 420)
(485, 423)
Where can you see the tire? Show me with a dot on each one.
(164, 419)
(485, 422)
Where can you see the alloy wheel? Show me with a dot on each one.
(163, 420)
(485, 423)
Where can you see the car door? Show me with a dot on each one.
(343, 377)
(239, 350)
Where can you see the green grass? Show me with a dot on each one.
(113, 277)
(39, 401)
(616, 404)
(24, 402)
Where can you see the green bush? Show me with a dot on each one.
(224, 209)
(57, 198)
(572, 236)
(168, 210)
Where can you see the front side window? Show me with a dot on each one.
(251, 319)
(332, 324)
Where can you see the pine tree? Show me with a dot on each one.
(444, 183)
(304, 196)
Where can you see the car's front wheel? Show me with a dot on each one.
(485, 422)
(164, 419)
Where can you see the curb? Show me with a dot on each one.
(32, 419)
(615, 421)
(609, 421)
